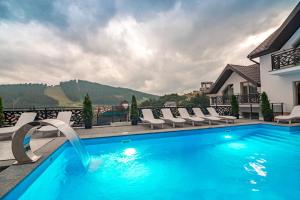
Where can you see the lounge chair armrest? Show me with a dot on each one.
(72, 123)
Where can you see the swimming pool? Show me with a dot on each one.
(238, 162)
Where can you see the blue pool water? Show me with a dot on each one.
(242, 162)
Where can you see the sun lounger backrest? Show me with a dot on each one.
(64, 116)
(198, 112)
(183, 113)
(147, 114)
(212, 112)
(25, 118)
(296, 111)
(166, 112)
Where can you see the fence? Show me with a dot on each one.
(103, 115)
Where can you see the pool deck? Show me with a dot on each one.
(11, 174)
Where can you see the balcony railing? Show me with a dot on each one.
(242, 99)
(286, 58)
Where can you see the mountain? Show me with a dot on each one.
(69, 93)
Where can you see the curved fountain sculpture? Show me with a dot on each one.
(21, 139)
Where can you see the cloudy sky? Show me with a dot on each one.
(156, 46)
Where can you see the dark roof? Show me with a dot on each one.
(277, 39)
(251, 73)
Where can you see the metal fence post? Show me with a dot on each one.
(250, 110)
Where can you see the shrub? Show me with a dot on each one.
(1, 113)
(235, 109)
(87, 112)
(265, 107)
(134, 113)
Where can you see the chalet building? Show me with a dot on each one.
(242, 81)
(276, 72)
(279, 58)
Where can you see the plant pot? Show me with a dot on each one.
(134, 122)
(237, 116)
(87, 125)
(268, 118)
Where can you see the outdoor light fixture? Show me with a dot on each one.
(129, 152)
(227, 136)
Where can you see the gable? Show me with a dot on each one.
(278, 38)
(250, 73)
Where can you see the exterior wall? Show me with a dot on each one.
(279, 88)
(234, 79)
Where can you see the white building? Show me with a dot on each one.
(242, 81)
(279, 58)
(276, 72)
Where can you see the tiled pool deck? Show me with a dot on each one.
(13, 174)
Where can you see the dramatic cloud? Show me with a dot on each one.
(154, 46)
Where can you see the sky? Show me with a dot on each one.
(155, 46)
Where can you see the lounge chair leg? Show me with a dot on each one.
(162, 125)
(193, 123)
(290, 122)
(173, 125)
(151, 126)
(209, 122)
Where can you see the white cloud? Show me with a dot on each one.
(172, 50)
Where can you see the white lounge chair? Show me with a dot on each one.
(185, 115)
(198, 112)
(149, 118)
(168, 117)
(23, 119)
(62, 116)
(295, 114)
(214, 113)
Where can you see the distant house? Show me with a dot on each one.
(205, 87)
(242, 81)
(279, 57)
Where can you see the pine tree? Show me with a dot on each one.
(134, 113)
(87, 112)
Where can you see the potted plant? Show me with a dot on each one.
(1, 113)
(87, 112)
(134, 113)
(235, 109)
(265, 107)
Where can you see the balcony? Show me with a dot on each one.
(285, 59)
(242, 99)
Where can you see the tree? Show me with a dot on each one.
(1, 113)
(235, 109)
(197, 101)
(265, 107)
(87, 112)
(134, 113)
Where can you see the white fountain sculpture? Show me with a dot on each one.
(21, 147)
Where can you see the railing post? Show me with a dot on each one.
(250, 110)
(281, 108)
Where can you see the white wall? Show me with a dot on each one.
(279, 88)
(234, 79)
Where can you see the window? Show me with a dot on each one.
(228, 91)
(297, 93)
(248, 88)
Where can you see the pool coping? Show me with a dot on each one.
(10, 177)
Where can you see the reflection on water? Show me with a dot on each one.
(256, 166)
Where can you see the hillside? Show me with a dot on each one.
(68, 93)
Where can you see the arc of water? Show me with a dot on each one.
(25, 155)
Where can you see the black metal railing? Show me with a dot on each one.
(242, 99)
(285, 58)
(103, 115)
